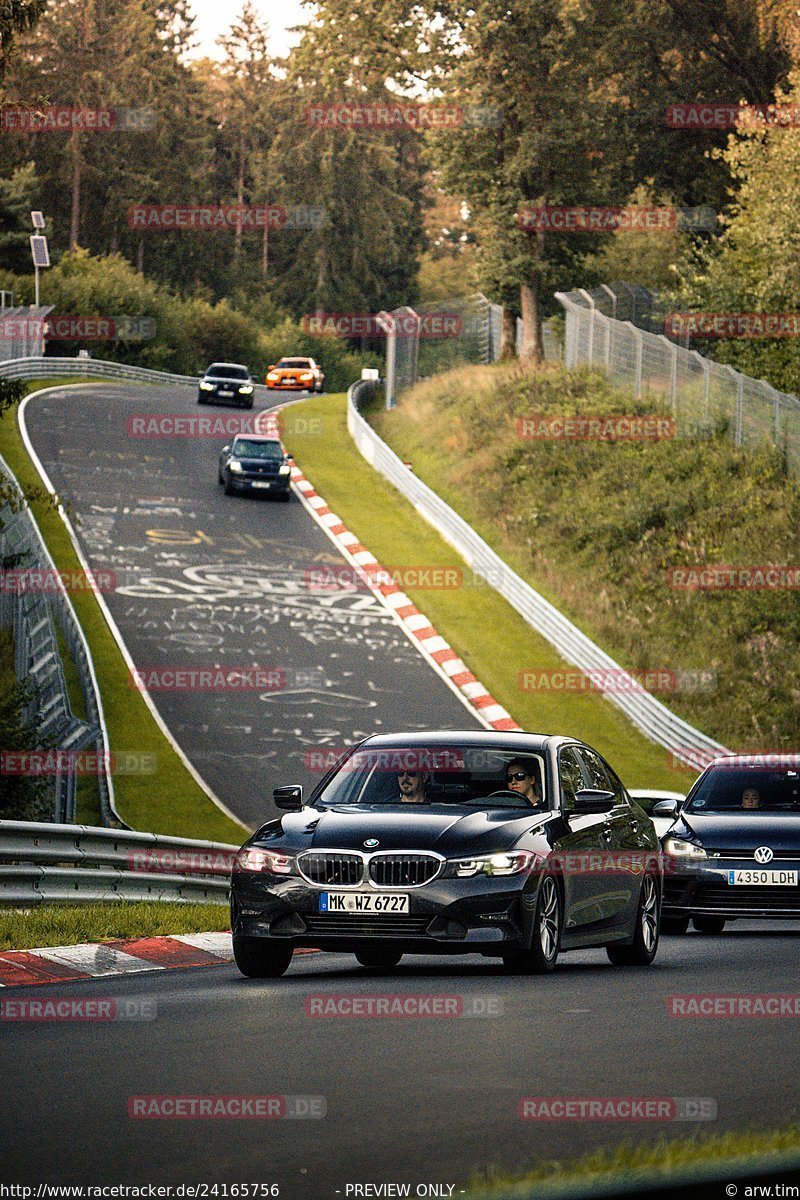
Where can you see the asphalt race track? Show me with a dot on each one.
(204, 579)
(417, 1100)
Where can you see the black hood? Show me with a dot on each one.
(448, 829)
(742, 831)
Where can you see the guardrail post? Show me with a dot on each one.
(673, 379)
(739, 428)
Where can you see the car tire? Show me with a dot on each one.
(259, 959)
(708, 924)
(644, 947)
(542, 956)
(379, 958)
(674, 924)
(220, 477)
(229, 488)
(200, 400)
(285, 497)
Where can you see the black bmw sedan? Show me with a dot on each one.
(513, 846)
(252, 463)
(734, 850)
(226, 383)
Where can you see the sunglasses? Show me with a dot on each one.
(408, 774)
(518, 776)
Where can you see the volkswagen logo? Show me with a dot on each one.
(371, 843)
(763, 855)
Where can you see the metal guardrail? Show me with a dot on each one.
(34, 618)
(83, 368)
(647, 713)
(79, 864)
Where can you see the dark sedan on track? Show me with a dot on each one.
(252, 463)
(513, 846)
(734, 850)
(226, 383)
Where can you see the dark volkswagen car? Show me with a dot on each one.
(252, 463)
(512, 846)
(734, 850)
(226, 383)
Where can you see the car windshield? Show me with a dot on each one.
(301, 363)
(476, 776)
(227, 371)
(745, 790)
(247, 448)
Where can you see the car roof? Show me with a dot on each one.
(532, 743)
(655, 793)
(238, 366)
(256, 437)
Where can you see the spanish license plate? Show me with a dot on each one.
(361, 902)
(752, 878)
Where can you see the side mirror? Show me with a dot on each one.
(594, 800)
(289, 798)
(665, 808)
(271, 367)
(224, 449)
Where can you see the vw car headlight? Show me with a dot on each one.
(205, 386)
(235, 466)
(504, 862)
(246, 389)
(679, 848)
(268, 862)
(285, 469)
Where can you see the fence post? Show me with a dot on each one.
(613, 296)
(706, 391)
(639, 348)
(738, 435)
(592, 310)
(386, 323)
(673, 379)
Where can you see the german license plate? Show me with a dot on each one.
(751, 878)
(259, 484)
(224, 393)
(361, 902)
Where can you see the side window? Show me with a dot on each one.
(595, 770)
(570, 776)
(615, 783)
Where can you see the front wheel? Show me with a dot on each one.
(709, 924)
(542, 956)
(645, 939)
(378, 958)
(229, 488)
(259, 959)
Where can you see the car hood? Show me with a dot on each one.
(446, 830)
(742, 831)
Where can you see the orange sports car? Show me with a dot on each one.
(301, 374)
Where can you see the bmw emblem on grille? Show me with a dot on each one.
(371, 843)
(763, 855)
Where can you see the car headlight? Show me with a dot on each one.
(285, 469)
(268, 862)
(307, 375)
(235, 466)
(504, 862)
(246, 389)
(206, 387)
(273, 376)
(679, 848)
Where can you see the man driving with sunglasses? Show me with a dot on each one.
(521, 777)
(412, 786)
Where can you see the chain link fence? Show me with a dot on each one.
(38, 616)
(436, 337)
(703, 395)
(22, 330)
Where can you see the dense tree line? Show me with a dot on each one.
(580, 89)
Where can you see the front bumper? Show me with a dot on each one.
(483, 915)
(260, 485)
(705, 890)
(291, 385)
(236, 399)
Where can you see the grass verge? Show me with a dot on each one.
(647, 1165)
(170, 801)
(598, 528)
(493, 639)
(62, 925)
